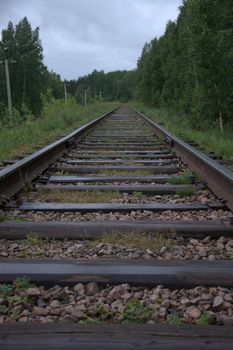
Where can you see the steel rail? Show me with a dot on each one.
(15, 176)
(218, 178)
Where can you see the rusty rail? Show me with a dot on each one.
(15, 176)
(218, 178)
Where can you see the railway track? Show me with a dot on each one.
(117, 223)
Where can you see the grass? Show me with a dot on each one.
(3, 216)
(34, 239)
(209, 136)
(136, 312)
(175, 319)
(77, 196)
(57, 118)
(140, 241)
(180, 180)
(138, 195)
(205, 319)
(125, 173)
(185, 192)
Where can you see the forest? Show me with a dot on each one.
(188, 70)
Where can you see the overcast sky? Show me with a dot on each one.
(79, 36)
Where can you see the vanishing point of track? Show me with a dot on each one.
(163, 186)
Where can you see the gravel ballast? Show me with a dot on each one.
(24, 302)
(162, 249)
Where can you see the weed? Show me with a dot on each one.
(6, 290)
(78, 196)
(136, 312)
(126, 173)
(40, 253)
(102, 314)
(185, 192)
(57, 117)
(205, 319)
(143, 241)
(138, 195)
(3, 309)
(208, 136)
(180, 180)
(15, 300)
(3, 216)
(28, 187)
(34, 239)
(23, 283)
(89, 320)
(175, 319)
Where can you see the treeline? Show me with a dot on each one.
(112, 86)
(30, 78)
(190, 68)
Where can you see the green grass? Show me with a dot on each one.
(181, 180)
(185, 192)
(205, 319)
(57, 118)
(175, 319)
(136, 312)
(67, 196)
(209, 136)
(142, 241)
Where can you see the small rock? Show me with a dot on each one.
(56, 312)
(54, 303)
(218, 301)
(202, 253)
(222, 240)
(68, 319)
(78, 314)
(193, 312)
(79, 289)
(163, 250)
(211, 257)
(69, 309)
(92, 288)
(40, 311)
(228, 297)
(185, 302)
(33, 292)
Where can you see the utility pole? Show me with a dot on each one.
(100, 94)
(8, 84)
(65, 91)
(8, 87)
(85, 98)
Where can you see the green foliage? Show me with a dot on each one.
(180, 180)
(102, 314)
(205, 319)
(112, 86)
(21, 45)
(23, 283)
(3, 216)
(6, 290)
(136, 312)
(175, 319)
(35, 239)
(190, 67)
(53, 121)
(210, 138)
(185, 192)
(138, 195)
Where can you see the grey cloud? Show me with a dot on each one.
(81, 35)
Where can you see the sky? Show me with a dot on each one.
(79, 36)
